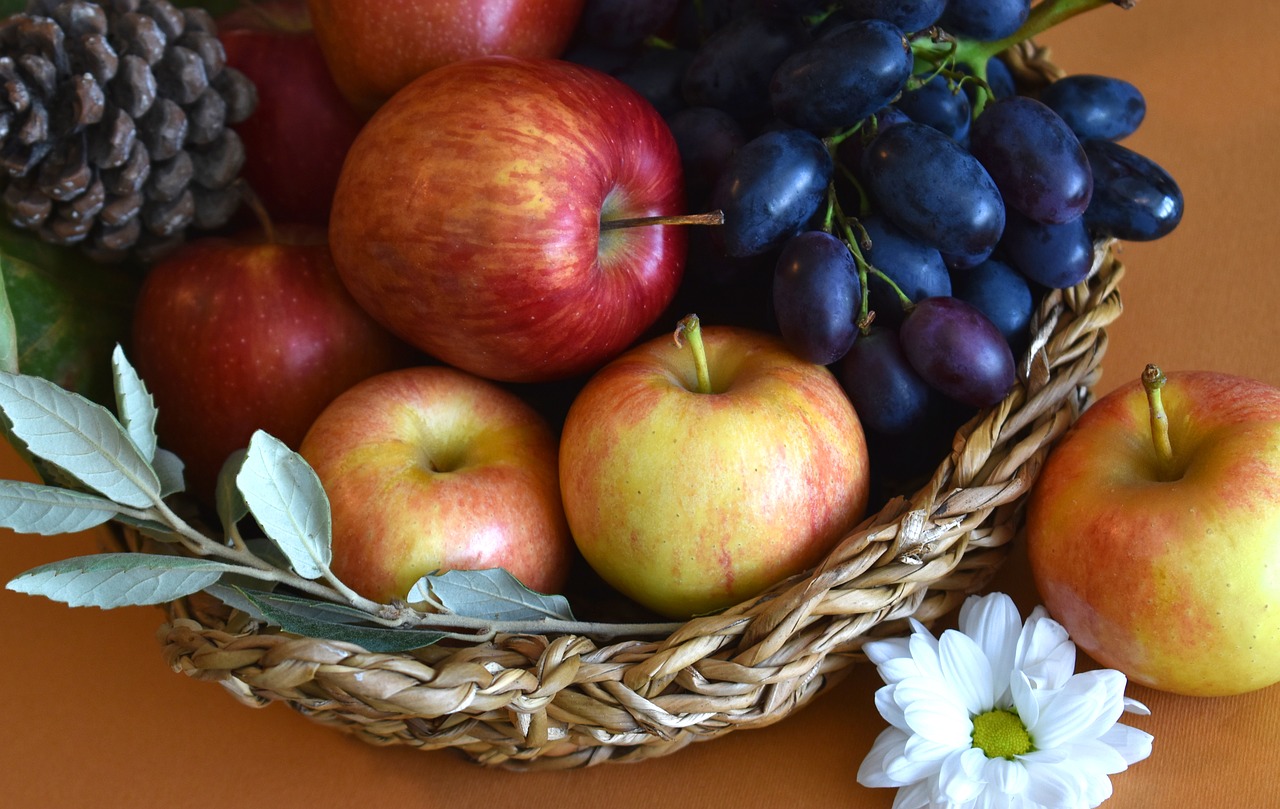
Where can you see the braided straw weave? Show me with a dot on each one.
(562, 701)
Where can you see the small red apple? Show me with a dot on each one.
(1158, 547)
(234, 335)
(374, 49)
(431, 469)
(690, 491)
(299, 133)
(472, 217)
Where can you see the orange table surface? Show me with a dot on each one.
(93, 717)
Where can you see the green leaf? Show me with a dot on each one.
(35, 509)
(110, 580)
(79, 436)
(286, 498)
(492, 594)
(8, 331)
(169, 470)
(228, 501)
(134, 404)
(318, 619)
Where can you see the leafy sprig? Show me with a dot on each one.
(110, 467)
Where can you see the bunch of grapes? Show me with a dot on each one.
(894, 204)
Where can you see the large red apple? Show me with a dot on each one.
(690, 497)
(468, 217)
(299, 133)
(375, 48)
(1165, 564)
(234, 335)
(430, 469)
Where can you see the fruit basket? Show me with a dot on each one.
(575, 697)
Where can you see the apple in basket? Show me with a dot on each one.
(374, 49)
(430, 469)
(252, 332)
(1154, 532)
(695, 477)
(300, 131)
(473, 217)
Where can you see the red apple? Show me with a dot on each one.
(688, 496)
(468, 217)
(374, 49)
(234, 335)
(1165, 563)
(299, 133)
(432, 469)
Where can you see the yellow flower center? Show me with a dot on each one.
(1000, 734)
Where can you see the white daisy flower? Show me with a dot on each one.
(993, 715)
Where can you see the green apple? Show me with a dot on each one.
(691, 490)
(431, 469)
(1153, 532)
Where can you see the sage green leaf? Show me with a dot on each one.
(110, 580)
(34, 509)
(318, 619)
(169, 469)
(228, 501)
(79, 436)
(8, 331)
(134, 404)
(286, 498)
(228, 591)
(492, 594)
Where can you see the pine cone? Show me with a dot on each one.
(115, 124)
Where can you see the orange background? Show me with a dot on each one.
(94, 718)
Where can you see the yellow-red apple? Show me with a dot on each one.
(1159, 550)
(431, 469)
(375, 48)
(690, 493)
(472, 217)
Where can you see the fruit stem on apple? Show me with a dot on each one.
(254, 203)
(709, 218)
(1153, 380)
(690, 327)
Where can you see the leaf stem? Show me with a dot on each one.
(1153, 381)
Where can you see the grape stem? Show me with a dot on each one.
(1153, 381)
(1043, 16)
(691, 328)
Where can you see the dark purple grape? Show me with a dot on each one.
(985, 20)
(1134, 198)
(889, 396)
(914, 266)
(599, 57)
(707, 138)
(770, 188)
(842, 77)
(963, 261)
(932, 188)
(1000, 79)
(958, 351)
(1096, 106)
(622, 23)
(1002, 294)
(1034, 157)
(658, 75)
(940, 105)
(909, 15)
(732, 70)
(1056, 256)
(817, 297)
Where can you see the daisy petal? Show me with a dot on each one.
(1025, 700)
(1132, 706)
(890, 709)
(1005, 776)
(881, 651)
(1052, 784)
(1082, 709)
(993, 622)
(915, 796)
(933, 712)
(967, 670)
(898, 669)
(1132, 744)
(1045, 651)
(1095, 756)
(889, 745)
(960, 779)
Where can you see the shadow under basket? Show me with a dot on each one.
(563, 701)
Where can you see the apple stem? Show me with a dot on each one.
(254, 203)
(709, 218)
(1153, 380)
(689, 326)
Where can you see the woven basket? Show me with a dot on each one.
(562, 701)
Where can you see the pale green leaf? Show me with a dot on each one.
(79, 436)
(228, 501)
(8, 331)
(492, 594)
(110, 580)
(35, 509)
(318, 619)
(286, 498)
(169, 468)
(134, 404)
